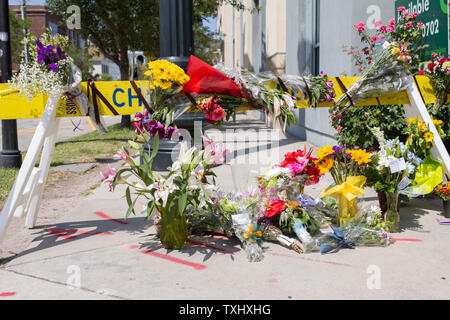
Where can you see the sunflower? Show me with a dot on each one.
(324, 165)
(325, 152)
(361, 156)
(428, 137)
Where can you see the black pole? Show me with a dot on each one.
(10, 156)
(176, 19)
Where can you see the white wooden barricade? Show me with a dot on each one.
(26, 193)
(417, 108)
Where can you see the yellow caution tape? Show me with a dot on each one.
(124, 99)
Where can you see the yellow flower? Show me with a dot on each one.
(401, 58)
(361, 156)
(293, 204)
(395, 51)
(325, 165)
(258, 233)
(422, 126)
(437, 122)
(411, 120)
(325, 152)
(428, 137)
(165, 74)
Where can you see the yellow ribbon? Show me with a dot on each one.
(346, 193)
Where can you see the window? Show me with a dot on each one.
(53, 27)
(105, 68)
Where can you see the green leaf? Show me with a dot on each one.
(182, 202)
(150, 207)
(131, 208)
(155, 146)
(134, 145)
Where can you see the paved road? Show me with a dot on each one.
(27, 127)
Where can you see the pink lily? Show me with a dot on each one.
(215, 150)
(110, 176)
(122, 154)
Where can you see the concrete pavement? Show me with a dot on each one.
(91, 252)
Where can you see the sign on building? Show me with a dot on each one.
(434, 15)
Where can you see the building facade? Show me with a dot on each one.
(299, 37)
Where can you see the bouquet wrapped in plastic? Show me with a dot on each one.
(386, 74)
(365, 229)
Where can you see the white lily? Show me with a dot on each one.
(184, 157)
(163, 188)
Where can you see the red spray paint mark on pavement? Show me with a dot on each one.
(310, 259)
(7, 294)
(105, 216)
(71, 233)
(131, 246)
(176, 260)
(407, 240)
(204, 245)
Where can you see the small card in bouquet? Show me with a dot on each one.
(397, 165)
(404, 183)
(240, 219)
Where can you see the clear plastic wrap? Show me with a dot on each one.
(386, 75)
(365, 229)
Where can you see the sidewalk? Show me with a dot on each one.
(85, 241)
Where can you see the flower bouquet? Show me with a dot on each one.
(365, 229)
(163, 95)
(278, 95)
(443, 191)
(392, 171)
(438, 70)
(387, 64)
(168, 196)
(346, 166)
(429, 172)
(47, 71)
(297, 170)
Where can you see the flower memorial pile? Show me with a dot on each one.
(186, 201)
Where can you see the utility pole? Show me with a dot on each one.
(10, 156)
(176, 31)
(176, 40)
(25, 31)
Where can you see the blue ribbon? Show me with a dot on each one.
(338, 235)
(305, 203)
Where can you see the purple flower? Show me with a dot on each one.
(338, 149)
(39, 44)
(54, 67)
(330, 84)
